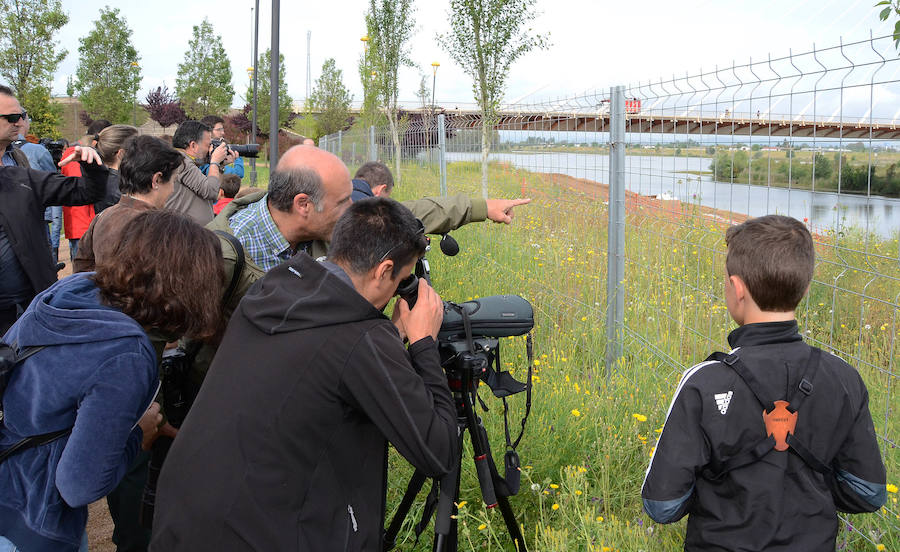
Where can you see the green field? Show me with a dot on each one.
(590, 434)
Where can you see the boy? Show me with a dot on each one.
(752, 472)
(229, 186)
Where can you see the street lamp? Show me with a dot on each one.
(134, 100)
(434, 68)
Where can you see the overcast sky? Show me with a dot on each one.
(594, 43)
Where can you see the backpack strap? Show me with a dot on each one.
(717, 470)
(238, 267)
(33, 440)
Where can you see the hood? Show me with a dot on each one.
(361, 190)
(69, 312)
(301, 294)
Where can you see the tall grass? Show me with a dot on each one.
(590, 434)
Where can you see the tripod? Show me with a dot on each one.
(463, 384)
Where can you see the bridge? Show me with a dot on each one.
(686, 124)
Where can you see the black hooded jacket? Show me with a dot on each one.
(778, 503)
(285, 447)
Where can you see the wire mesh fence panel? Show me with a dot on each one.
(813, 135)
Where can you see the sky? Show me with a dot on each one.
(594, 44)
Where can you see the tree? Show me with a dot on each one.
(390, 24)
(331, 98)
(164, 108)
(108, 71)
(204, 78)
(29, 56)
(285, 103)
(892, 7)
(486, 37)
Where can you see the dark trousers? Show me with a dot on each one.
(125, 507)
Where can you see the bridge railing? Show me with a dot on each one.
(627, 231)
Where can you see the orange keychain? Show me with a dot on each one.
(779, 422)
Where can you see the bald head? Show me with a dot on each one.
(308, 176)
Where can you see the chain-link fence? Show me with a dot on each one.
(640, 182)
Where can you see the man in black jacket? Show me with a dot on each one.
(285, 447)
(26, 264)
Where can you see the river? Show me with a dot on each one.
(653, 175)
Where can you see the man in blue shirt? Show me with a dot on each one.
(233, 163)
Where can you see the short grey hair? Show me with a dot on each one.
(285, 185)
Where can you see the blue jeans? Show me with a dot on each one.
(7, 546)
(55, 225)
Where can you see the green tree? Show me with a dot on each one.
(108, 71)
(390, 24)
(331, 98)
(204, 77)
(486, 37)
(285, 103)
(892, 7)
(29, 56)
(823, 166)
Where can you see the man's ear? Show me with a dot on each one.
(385, 270)
(221, 194)
(379, 191)
(302, 205)
(156, 180)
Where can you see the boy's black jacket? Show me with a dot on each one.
(778, 503)
(285, 447)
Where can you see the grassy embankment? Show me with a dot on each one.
(589, 437)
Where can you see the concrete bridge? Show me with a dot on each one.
(687, 124)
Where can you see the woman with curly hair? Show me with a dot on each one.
(95, 375)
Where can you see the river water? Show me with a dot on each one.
(656, 175)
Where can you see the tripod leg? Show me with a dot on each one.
(511, 525)
(412, 489)
(445, 523)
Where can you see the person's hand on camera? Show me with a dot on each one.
(219, 154)
(149, 424)
(83, 154)
(232, 155)
(501, 210)
(425, 318)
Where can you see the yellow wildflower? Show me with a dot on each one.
(639, 417)
(555, 506)
(575, 412)
(891, 488)
(482, 527)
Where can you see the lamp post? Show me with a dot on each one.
(253, 130)
(367, 81)
(274, 80)
(434, 68)
(134, 100)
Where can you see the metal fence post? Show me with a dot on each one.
(373, 152)
(615, 273)
(442, 151)
(323, 142)
(340, 144)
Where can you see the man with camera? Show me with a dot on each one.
(300, 439)
(233, 163)
(196, 192)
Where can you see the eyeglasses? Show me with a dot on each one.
(14, 118)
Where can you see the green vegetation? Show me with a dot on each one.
(204, 77)
(590, 436)
(108, 70)
(805, 169)
(29, 56)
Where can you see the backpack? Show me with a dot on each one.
(779, 416)
(10, 357)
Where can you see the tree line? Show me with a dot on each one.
(485, 38)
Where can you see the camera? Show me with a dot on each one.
(55, 147)
(245, 150)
